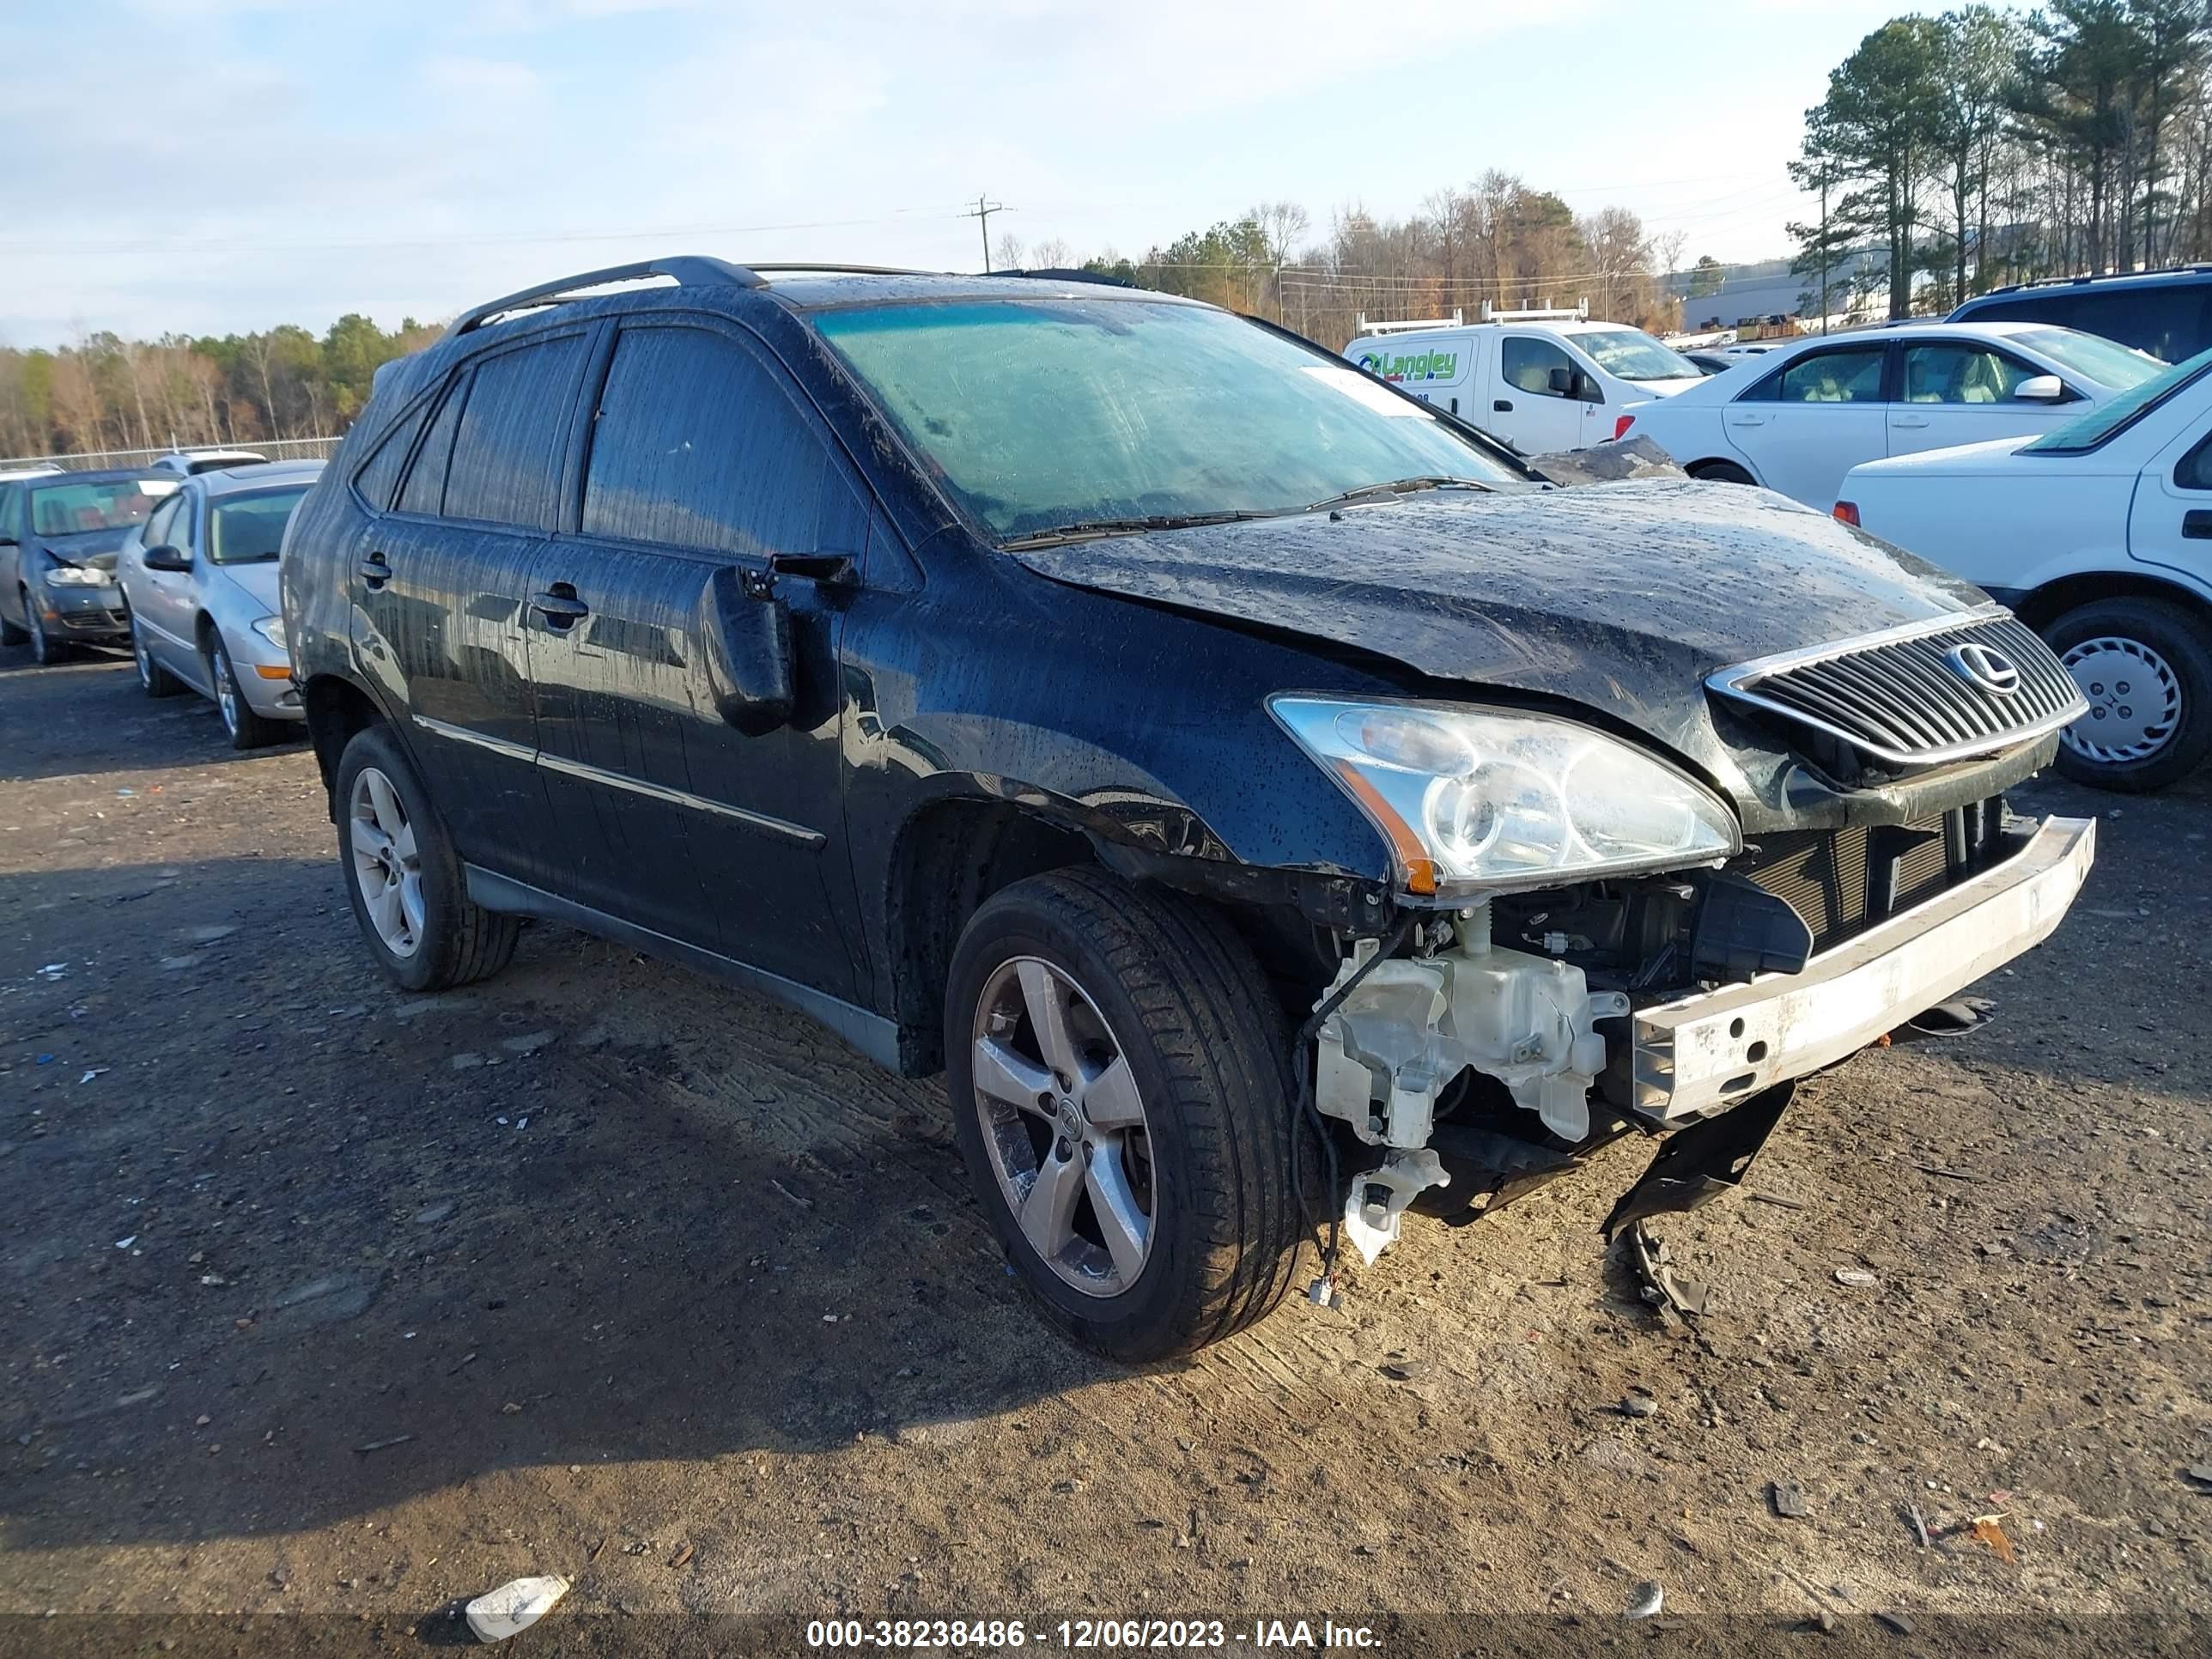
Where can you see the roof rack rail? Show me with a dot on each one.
(800, 267)
(1579, 313)
(689, 270)
(1069, 274)
(1363, 325)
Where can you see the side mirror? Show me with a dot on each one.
(745, 631)
(2040, 389)
(166, 557)
(1562, 382)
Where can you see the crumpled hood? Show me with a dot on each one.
(95, 548)
(1620, 597)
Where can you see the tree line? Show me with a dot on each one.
(104, 391)
(1978, 147)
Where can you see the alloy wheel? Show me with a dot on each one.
(387, 867)
(1065, 1126)
(2135, 700)
(226, 688)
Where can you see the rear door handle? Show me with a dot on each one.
(374, 568)
(1747, 420)
(1502, 405)
(1913, 422)
(2196, 526)
(560, 606)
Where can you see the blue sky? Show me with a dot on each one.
(210, 165)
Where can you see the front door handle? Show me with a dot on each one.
(2196, 526)
(374, 569)
(1503, 406)
(560, 606)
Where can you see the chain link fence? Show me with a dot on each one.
(122, 460)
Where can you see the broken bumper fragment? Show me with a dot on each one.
(1702, 1053)
(1393, 1045)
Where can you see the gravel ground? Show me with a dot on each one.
(326, 1302)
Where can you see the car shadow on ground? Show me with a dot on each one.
(133, 732)
(294, 1246)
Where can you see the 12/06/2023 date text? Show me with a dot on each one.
(1087, 1634)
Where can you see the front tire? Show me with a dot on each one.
(45, 649)
(404, 879)
(247, 730)
(2145, 667)
(1121, 1091)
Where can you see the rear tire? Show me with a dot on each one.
(442, 939)
(153, 679)
(1722, 472)
(1167, 990)
(2146, 668)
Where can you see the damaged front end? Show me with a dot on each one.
(1516, 1035)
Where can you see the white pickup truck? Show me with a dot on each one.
(1542, 380)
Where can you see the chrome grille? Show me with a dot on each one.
(1903, 697)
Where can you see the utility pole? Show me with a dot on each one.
(1825, 252)
(983, 210)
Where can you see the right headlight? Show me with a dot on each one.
(1483, 799)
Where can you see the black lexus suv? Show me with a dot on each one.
(1268, 800)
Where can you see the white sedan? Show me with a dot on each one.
(1797, 418)
(2099, 535)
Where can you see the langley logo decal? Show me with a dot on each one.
(1986, 666)
(1418, 365)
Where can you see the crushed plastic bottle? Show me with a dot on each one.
(514, 1606)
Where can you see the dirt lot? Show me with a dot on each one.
(327, 1302)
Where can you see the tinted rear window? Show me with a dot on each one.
(2167, 321)
(514, 430)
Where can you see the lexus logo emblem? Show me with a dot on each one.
(1984, 665)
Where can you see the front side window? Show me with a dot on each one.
(1631, 355)
(1527, 365)
(1959, 374)
(77, 509)
(513, 429)
(1036, 415)
(1831, 377)
(250, 529)
(696, 445)
(2093, 357)
(162, 528)
(2195, 471)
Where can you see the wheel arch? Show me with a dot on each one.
(336, 708)
(2039, 607)
(951, 854)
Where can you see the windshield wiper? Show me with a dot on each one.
(1089, 528)
(1401, 487)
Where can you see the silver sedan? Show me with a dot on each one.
(199, 578)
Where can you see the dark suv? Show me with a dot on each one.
(2168, 314)
(1268, 799)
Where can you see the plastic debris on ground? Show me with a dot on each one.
(514, 1606)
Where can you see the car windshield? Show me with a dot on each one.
(1632, 355)
(2105, 362)
(2099, 425)
(1039, 415)
(77, 509)
(249, 529)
